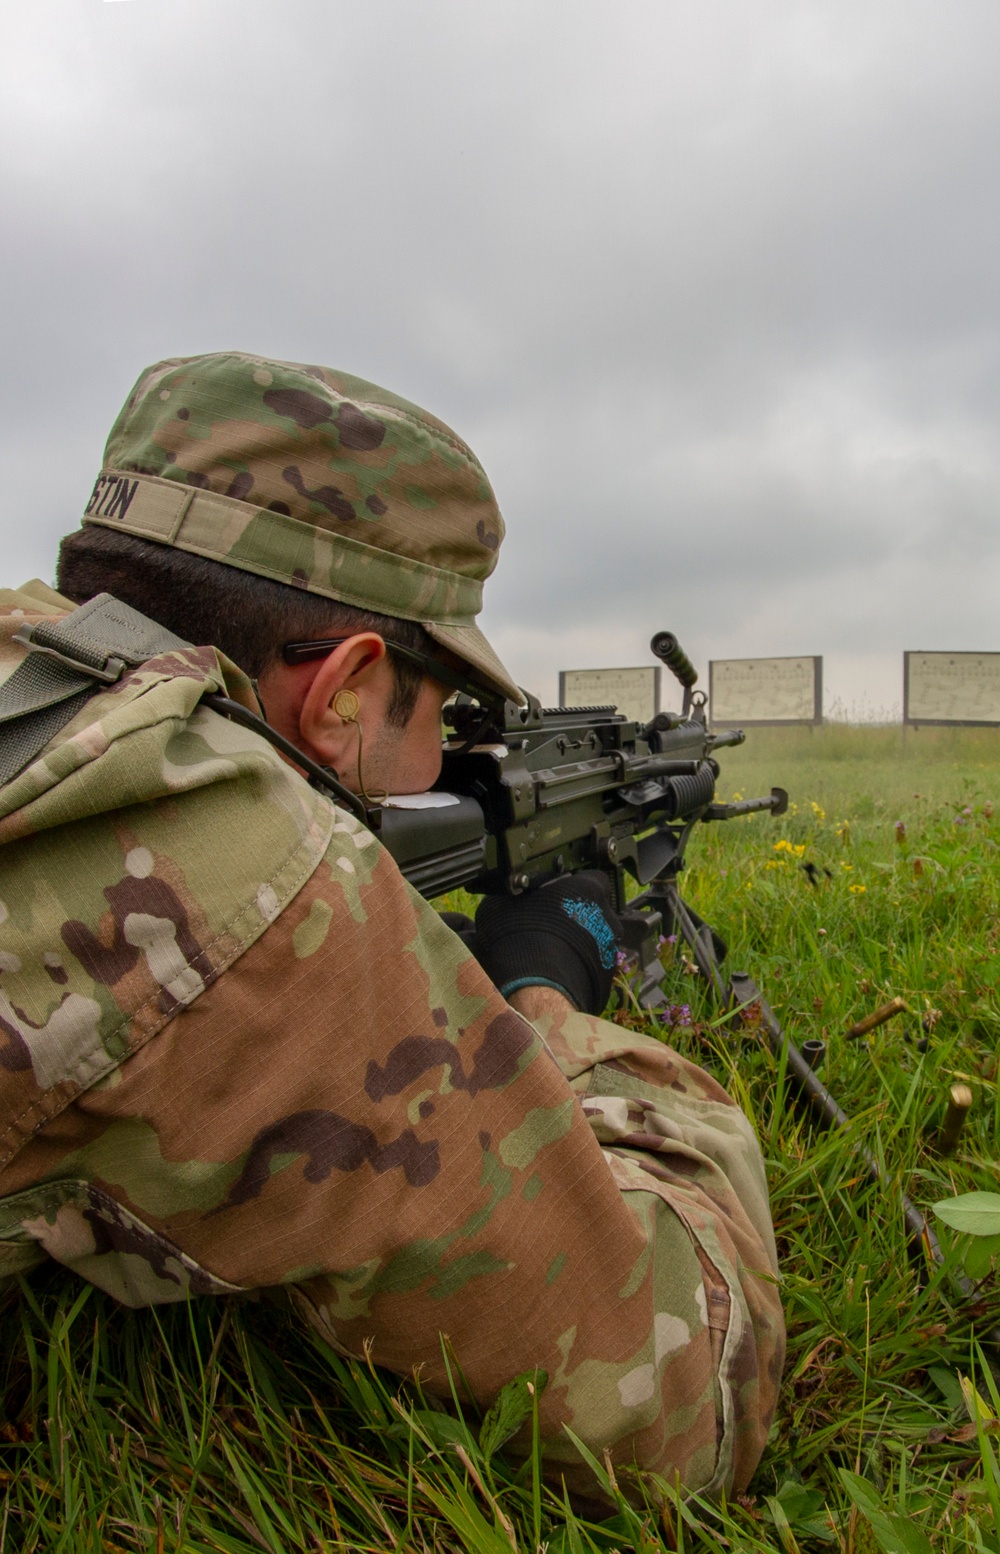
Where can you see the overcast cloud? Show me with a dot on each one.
(710, 287)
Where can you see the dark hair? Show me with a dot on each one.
(208, 603)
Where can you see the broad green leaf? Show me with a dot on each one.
(974, 1213)
(445, 1430)
(947, 1384)
(441, 1430)
(895, 1534)
(798, 1501)
(781, 1524)
(902, 1534)
(805, 1510)
(511, 1407)
(864, 1495)
(980, 1255)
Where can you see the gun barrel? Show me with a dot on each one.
(727, 736)
(776, 802)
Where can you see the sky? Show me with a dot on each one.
(710, 287)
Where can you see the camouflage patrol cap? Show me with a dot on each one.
(313, 478)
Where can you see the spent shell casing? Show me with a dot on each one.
(959, 1101)
(878, 1017)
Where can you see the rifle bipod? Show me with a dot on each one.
(741, 997)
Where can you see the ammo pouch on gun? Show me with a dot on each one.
(68, 662)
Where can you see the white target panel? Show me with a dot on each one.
(635, 692)
(759, 691)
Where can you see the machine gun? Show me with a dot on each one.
(531, 793)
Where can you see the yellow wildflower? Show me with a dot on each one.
(857, 890)
(818, 812)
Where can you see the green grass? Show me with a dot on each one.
(228, 1426)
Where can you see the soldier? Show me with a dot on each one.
(238, 1052)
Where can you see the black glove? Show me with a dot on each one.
(563, 936)
(463, 926)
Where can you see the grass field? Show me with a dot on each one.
(229, 1427)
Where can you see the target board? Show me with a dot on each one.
(635, 692)
(951, 688)
(760, 691)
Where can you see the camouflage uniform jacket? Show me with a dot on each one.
(238, 1051)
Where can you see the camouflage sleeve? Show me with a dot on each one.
(352, 1110)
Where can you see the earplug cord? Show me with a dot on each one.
(346, 705)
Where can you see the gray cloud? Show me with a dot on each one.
(710, 289)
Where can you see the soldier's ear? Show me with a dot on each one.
(356, 668)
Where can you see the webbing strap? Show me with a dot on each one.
(70, 659)
(23, 739)
(39, 682)
(67, 663)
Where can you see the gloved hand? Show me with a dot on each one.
(563, 936)
(459, 923)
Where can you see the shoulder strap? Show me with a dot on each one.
(68, 661)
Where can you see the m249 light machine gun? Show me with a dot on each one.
(534, 793)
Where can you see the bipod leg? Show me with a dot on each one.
(699, 941)
(925, 1249)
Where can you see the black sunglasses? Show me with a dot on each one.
(303, 652)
